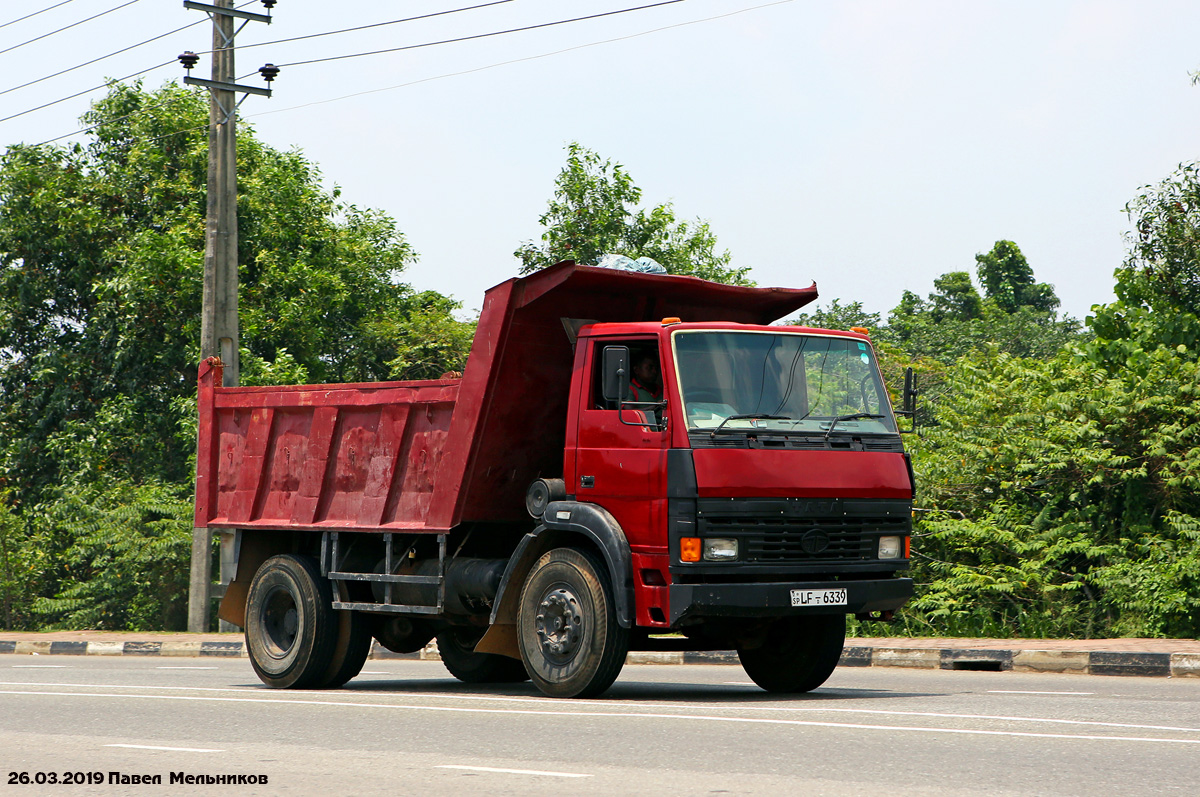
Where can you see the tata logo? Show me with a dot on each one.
(814, 541)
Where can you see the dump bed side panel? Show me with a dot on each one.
(320, 456)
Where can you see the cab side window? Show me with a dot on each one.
(645, 372)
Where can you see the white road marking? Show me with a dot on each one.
(185, 668)
(740, 683)
(618, 704)
(168, 749)
(644, 715)
(374, 672)
(514, 771)
(39, 666)
(1022, 692)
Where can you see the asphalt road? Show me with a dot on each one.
(406, 727)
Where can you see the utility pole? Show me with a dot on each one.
(219, 309)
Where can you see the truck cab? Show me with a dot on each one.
(773, 467)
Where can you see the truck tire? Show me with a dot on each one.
(291, 627)
(798, 654)
(567, 625)
(350, 650)
(456, 646)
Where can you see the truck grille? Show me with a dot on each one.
(784, 539)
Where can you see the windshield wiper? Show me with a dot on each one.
(752, 416)
(858, 416)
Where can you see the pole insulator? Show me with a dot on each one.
(269, 4)
(189, 59)
(269, 72)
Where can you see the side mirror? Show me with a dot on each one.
(908, 399)
(615, 367)
(910, 390)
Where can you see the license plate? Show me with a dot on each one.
(819, 597)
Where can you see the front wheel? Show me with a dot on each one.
(798, 653)
(567, 628)
(456, 646)
(291, 627)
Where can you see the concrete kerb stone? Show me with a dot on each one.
(654, 657)
(36, 648)
(855, 656)
(1133, 663)
(105, 648)
(976, 659)
(1185, 665)
(188, 648)
(1071, 661)
(228, 649)
(920, 658)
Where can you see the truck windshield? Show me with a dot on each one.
(789, 382)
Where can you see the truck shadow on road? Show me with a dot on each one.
(648, 692)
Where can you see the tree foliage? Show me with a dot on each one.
(101, 259)
(1061, 491)
(838, 316)
(1015, 313)
(1008, 280)
(594, 211)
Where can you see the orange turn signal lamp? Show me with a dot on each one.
(689, 549)
(666, 322)
(860, 330)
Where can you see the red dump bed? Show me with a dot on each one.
(426, 456)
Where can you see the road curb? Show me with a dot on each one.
(1076, 662)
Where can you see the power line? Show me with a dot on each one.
(365, 27)
(135, 112)
(101, 58)
(482, 35)
(68, 27)
(521, 60)
(424, 80)
(88, 91)
(35, 13)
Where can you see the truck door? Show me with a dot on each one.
(621, 465)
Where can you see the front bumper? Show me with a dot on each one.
(774, 599)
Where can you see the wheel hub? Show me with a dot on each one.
(559, 624)
(280, 620)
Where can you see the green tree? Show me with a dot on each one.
(101, 254)
(1017, 314)
(1008, 280)
(1158, 286)
(954, 297)
(594, 212)
(838, 316)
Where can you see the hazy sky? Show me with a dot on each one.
(867, 146)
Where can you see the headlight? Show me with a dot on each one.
(891, 547)
(720, 550)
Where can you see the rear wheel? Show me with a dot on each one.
(456, 646)
(567, 626)
(798, 653)
(291, 628)
(350, 650)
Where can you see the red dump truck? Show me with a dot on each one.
(540, 516)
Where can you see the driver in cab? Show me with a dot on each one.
(646, 384)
